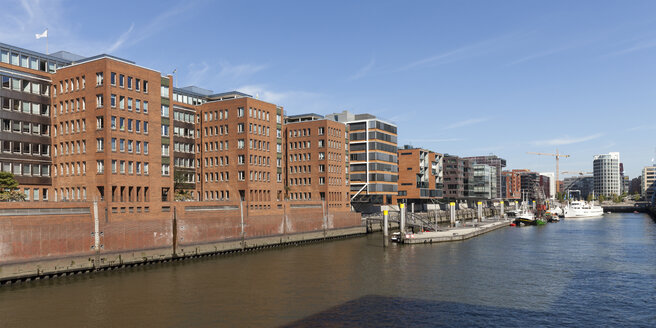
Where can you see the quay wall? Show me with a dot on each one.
(43, 239)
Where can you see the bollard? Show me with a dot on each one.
(452, 208)
(480, 211)
(402, 223)
(385, 229)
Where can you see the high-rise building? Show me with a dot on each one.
(497, 163)
(420, 175)
(373, 157)
(648, 182)
(606, 169)
(317, 160)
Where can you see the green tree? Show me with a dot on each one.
(636, 197)
(9, 188)
(590, 198)
(602, 198)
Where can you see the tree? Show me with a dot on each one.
(590, 198)
(602, 198)
(9, 188)
(636, 197)
(180, 193)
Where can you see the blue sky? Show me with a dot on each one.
(459, 77)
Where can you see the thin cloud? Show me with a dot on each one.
(121, 39)
(466, 123)
(567, 140)
(363, 71)
(464, 52)
(436, 140)
(644, 45)
(239, 71)
(539, 55)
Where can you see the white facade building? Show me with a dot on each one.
(606, 169)
(648, 181)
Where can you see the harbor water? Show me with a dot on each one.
(578, 272)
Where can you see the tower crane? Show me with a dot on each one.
(558, 156)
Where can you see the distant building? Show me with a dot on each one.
(583, 183)
(606, 169)
(530, 183)
(550, 189)
(484, 183)
(546, 184)
(457, 177)
(511, 185)
(495, 162)
(421, 176)
(373, 155)
(648, 182)
(635, 186)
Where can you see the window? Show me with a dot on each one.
(114, 165)
(145, 105)
(129, 125)
(99, 101)
(113, 123)
(122, 167)
(165, 91)
(100, 144)
(145, 164)
(121, 80)
(165, 169)
(321, 131)
(130, 82)
(100, 167)
(165, 130)
(240, 144)
(145, 127)
(240, 159)
(130, 104)
(137, 85)
(165, 150)
(121, 125)
(130, 143)
(112, 101)
(112, 78)
(145, 90)
(113, 144)
(145, 150)
(240, 128)
(241, 175)
(240, 112)
(165, 111)
(99, 79)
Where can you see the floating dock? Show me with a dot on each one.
(455, 234)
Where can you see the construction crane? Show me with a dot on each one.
(558, 156)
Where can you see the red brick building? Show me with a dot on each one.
(317, 160)
(512, 185)
(420, 175)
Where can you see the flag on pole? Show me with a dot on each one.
(42, 35)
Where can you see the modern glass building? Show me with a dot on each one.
(373, 157)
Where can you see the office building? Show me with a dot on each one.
(648, 182)
(372, 156)
(511, 185)
(420, 175)
(606, 170)
(484, 182)
(317, 160)
(497, 163)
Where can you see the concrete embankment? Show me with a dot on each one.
(454, 234)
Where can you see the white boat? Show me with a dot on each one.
(582, 209)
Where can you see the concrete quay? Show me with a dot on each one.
(455, 234)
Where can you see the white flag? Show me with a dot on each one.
(42, 35)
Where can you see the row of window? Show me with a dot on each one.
(189, 100)
(26, 169)
(71, 147)
(76, 126)
(183, 116)
(123, 124)
(183, 132)
(123, 145)
(25, 148)
(183, 147)
(252, 144)
(128, 103)
(17, 126)
(72, 168)
(217, 195)
(25, 86)
(24, 106)
(218, 130)
(217, 176)
(75, 105)
(71, 193)
(35, 194)
(129, 167)
(132, 83)
(64, 85)
(184, 162)
(26, 61)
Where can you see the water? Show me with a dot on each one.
(583, 273)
